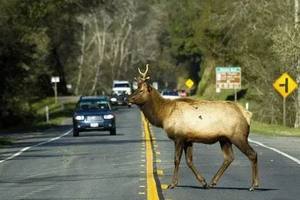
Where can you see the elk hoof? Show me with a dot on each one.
(252, 188)
(211, 185)
(172, 186)
(205, 186)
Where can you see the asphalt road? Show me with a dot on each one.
(99, 166)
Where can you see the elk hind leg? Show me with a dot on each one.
(188, 149)
(244, 146)
(226, 147)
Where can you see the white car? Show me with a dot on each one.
(170, 94)
(121, 87)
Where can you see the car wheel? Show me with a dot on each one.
(113, 131)
(75, 132)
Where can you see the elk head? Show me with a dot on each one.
(141, 94)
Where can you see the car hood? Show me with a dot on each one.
(92, 112)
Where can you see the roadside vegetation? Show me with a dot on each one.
(273, 129)
(58, 112)
(88, 44)
(5, 141)
(261, 37)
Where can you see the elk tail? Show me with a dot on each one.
(245, 113)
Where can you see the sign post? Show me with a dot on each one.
(47, 113)
(284, 111)
(235, 95)
(228, 78)
(55, 80)
(284, 85)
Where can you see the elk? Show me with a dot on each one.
(187, 121)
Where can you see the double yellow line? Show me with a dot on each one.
(152, 193)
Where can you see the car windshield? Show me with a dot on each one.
(121, 85)
(93, 104)
(170, 93)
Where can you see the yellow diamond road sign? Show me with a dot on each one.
(285, 85)
(189, 83)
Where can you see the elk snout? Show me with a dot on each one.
(131, 99)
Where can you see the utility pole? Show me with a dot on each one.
(297, 60)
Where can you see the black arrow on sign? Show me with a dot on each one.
(285, 85)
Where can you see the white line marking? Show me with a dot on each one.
(36, 145)
(276, 150)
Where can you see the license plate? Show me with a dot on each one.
(94, 125)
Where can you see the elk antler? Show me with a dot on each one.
(144, 74)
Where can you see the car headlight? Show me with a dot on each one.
(110, 116)
(79, 117)
(113, 99)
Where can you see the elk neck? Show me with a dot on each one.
(156, 108)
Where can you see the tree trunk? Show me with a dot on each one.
(101, 48)
(115, 54)
(79, 75)
(62, 85)
(123, 50)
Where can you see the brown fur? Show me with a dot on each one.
(187, 120)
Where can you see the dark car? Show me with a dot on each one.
(120, 99)
(170, 94)
(93, 113)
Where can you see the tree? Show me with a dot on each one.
(32, 48)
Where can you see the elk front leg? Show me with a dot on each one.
(188, 149)
(177, 158)
(228, 158)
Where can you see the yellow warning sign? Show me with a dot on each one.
(285, 85)
(189, 83)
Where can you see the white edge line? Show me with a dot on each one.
(36, 145)
(276, 150)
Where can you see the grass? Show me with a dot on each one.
(5, 141)
(273, 130)
(57, 113)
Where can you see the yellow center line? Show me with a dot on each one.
(152, 193)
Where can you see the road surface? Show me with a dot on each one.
(55, 165)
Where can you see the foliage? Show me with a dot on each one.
(30, 39)
(90, 43)
(258, 36)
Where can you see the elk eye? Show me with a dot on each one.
(141, 91)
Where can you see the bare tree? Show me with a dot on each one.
(117, 37)
(82, 55)
(101, 45)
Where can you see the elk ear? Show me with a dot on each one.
(149, 88)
